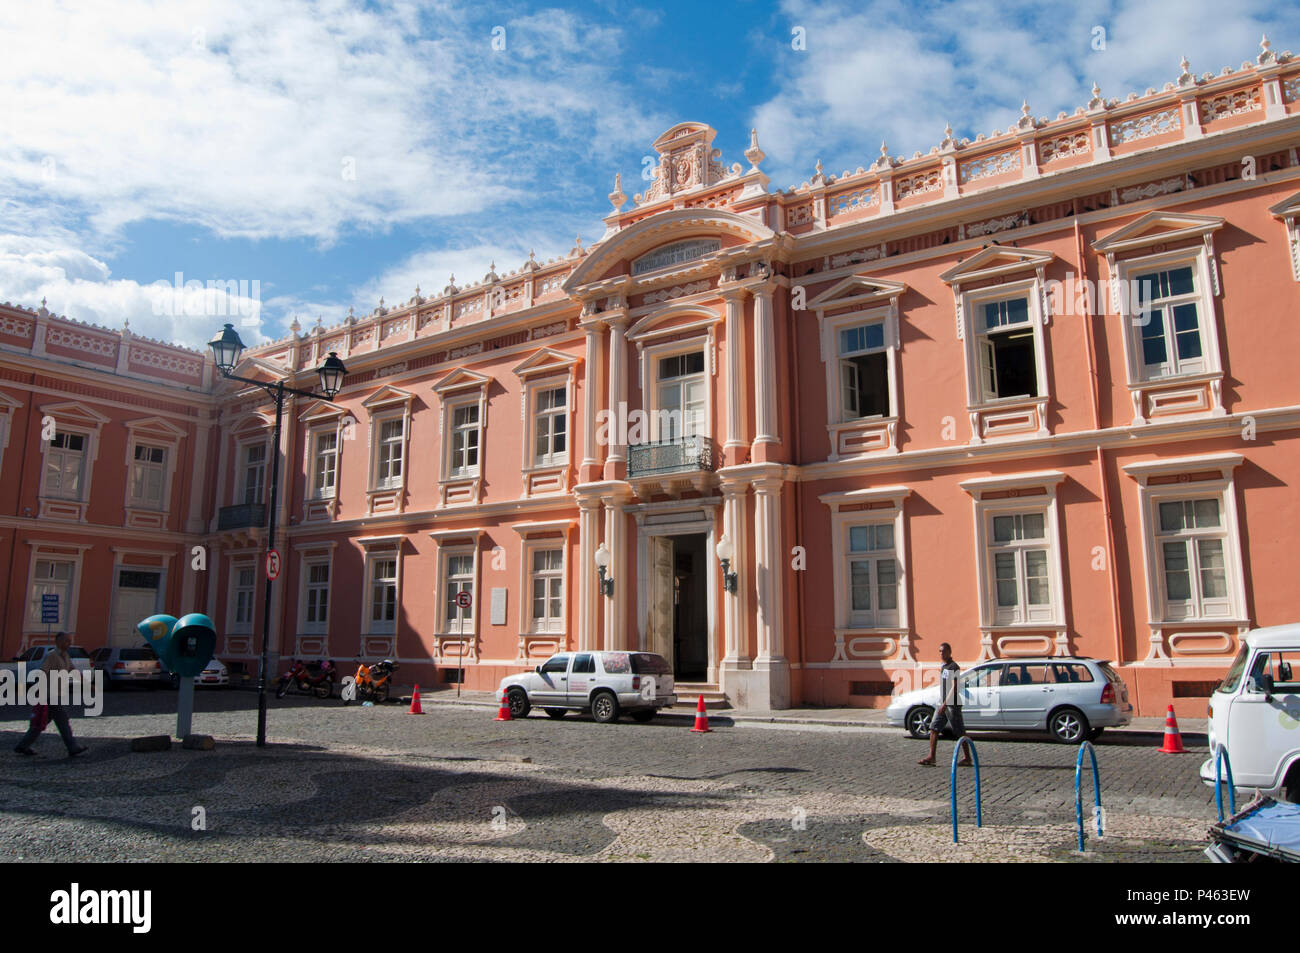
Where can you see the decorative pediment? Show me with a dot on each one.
(8, 403)
(259, 368)
(460, 379)
(249, 422)
(320, 410)
(75, 412)
(386, 396)
(857, 290)
(669, 320)
(1287, 209)
(1158, 227)
(155, 427)
(544, 361)
(997, 260)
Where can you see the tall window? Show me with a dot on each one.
(1018, 550)
(244, 585)
(50, 576)
(1168, 318)
(1192, 538)
(460, 578)
(388, 465)
(324, 464)
(318, 596)
(873, 576)
(254, 473)
(681, 397)
(551, 427)
(383, 594)
(1007, 364)
(148, 471)
(65, 465)
(864, 371)
(548, 590)
(464, 439)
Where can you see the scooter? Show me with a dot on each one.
(372, 682)
(301, 676)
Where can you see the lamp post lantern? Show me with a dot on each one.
(226, 348)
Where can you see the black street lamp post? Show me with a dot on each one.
(226, 348)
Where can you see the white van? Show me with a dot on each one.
(1255, 714)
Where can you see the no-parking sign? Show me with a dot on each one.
(273, 564)
(464, 599)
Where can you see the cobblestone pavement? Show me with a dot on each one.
(358, 783)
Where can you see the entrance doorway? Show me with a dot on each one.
(679, 617)
(136, 599)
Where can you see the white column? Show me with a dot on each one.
(198, 486)
(588, 540)
(223, 462)
(735, 607)
(767, 571)
(591, 376)
(617, 385)
(735, 370)
(764, 369)
(615, 541)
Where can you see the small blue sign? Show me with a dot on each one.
(49, 608)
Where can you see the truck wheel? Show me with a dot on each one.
(604, 707)
(520, 706)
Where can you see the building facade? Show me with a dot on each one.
(1029, 394)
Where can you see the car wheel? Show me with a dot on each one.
(918, 721)
(604, 707)
(380, 694)
(520, 706)
(643, 714)
(1068, 725)
(1095, 734)
(556, 713)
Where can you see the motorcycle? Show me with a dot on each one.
(317, 680)
(371, 683)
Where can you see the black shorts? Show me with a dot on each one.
(949, 717)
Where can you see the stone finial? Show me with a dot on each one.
(617, 198)
(754, 154)
(882, 162)
(577, 248)
(820, 177)
(352, 318)
(42, 310)
(319, 328)
(451, 288)
(1096, 102)
(492, 275)
(1185, 78)
(294, 326)
(1025, 121)
(1266, 54)
(948, 141)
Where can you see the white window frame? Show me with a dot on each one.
(1223, 488)
(8, 407)
(382, 627)
(1127, 271)
(1023, 612)
(534, 391)
(972, 305)
(306, 625)
(875, 617)
(452, 405)
(651, 355)
(462, 626)
(234, 625)
(314, 435)
(831, 327)
(546, 625)
(163, 469)
(1042, 499)
(67, 601)
(378, 422)
(241, 472)
(83, 477)
(859, 508)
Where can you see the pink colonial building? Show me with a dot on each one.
(1029, 394)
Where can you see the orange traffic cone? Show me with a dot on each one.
(1173, 740)
(701, 717)
(415, 702)
(503, 714)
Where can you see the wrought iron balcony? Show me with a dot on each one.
(684, 455)
(241, 517)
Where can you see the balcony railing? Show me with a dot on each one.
(241, 517)
(683, 455)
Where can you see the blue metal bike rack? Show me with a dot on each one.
(1078, 790)
(975, 759)
(1221, 758)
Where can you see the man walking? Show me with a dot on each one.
(56, 661)
(949, 711)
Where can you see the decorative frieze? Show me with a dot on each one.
(470, 306)
(1291, 89)
(991, 226)
(800, 215)
(175, 363)
(919, 184)
(1152, 189)
(1062, 147)
(459, 352)
(398, 368)
(1144, 127)
(855, 257)
(76, 341)
(11, 324)
(547, 330)
(677, 291)
(990, 165)
(851, 201)
(1230, 104)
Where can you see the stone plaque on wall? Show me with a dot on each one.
(499, 606)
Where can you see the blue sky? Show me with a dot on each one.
(339, 151)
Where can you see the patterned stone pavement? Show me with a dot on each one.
(340, 784)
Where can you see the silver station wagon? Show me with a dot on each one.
(1072, 698)
(606, 683)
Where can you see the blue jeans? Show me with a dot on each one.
(58, 715)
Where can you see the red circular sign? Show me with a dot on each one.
(464, 599)
(273, 564)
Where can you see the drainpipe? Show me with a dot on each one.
(22, 473)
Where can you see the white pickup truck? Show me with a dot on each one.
(1255, 715)
(607, 683)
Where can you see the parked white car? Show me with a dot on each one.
(35, 658)
(1255, 714)
(606, 683)
(214, 674)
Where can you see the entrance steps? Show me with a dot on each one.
(688, 692)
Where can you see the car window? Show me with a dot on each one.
(1284, 667)
(556, 663)
(1069, 673)
(986, 676)
(1025, 674)
(99, 655)
(75, 652)
(616, 663)
(1233, 676)
(584, 665)
(647, 663)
